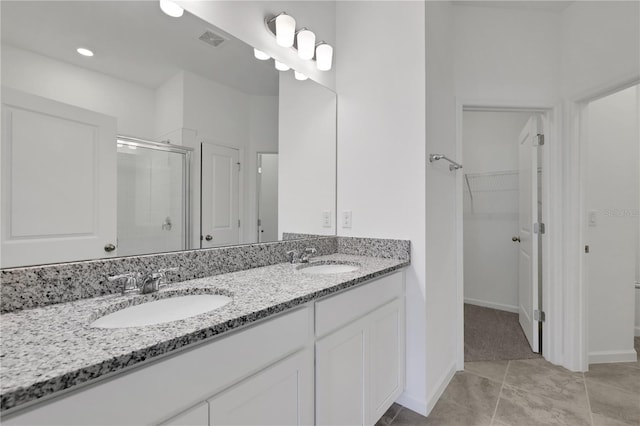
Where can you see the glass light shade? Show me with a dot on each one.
(300, 76)
(259, 54)
(84, 52)
(306, 44)
(282, 67)
(285, 30)
(324, 57)
(171, 9)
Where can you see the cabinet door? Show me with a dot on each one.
(386, 353)
(58, 181)
(195, 416)
(341, 376)
(277, 396)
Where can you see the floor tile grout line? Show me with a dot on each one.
(504, 379)
(599, 382)
(393, 419)
(586, 390)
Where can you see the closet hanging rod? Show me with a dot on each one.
(453, 166)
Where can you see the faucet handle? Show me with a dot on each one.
(310, 250)
(161, 275)
(292, 255)
(131, 284)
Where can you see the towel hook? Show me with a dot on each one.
(453, 166)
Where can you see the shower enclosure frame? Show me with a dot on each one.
(187, 154)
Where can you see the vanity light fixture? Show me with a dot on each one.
(171, 8)
(306, 44)
(282, 67)
(285, 29)
(259, 54)
(299, 76)
(84, 52)
(324, 56)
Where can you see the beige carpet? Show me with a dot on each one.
(490, 334)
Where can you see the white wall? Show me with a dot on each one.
(169, 111)
(381, 150)
(507, 55)
(441, 234)
(245, 20)
(307, 157)
(490, 144)
(131, 104)
(600, 45)
(612, 187)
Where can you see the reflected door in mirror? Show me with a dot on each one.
(267, 197)
(58, 181)
(220, 218)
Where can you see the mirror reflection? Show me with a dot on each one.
(171, 135)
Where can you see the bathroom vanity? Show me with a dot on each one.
(293, 347)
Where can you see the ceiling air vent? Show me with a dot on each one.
(212, 38)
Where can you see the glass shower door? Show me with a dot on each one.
(153, 197)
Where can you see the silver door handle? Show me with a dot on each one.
(208, 238)
(515, 239)
(109, 248)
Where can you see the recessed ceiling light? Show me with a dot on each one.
(171, 9)
(84, 52)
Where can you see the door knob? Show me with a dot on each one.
(515, 239)
(109, 248)
(208, 238)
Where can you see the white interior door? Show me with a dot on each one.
(267, 197)
(220, 218)
(528, 248)
(58, 181)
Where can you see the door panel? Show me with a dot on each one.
(268, 197)
(528, 249)
(220, 196)
(58, 181)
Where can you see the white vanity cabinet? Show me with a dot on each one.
(172, 390)
(336, 361)
(360, 352)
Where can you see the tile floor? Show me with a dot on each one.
(532, 392)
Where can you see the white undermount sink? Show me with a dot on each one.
(328, 268)
(162, 311)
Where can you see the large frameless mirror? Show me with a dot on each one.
(170, 136)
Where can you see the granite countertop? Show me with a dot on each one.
(49, 349)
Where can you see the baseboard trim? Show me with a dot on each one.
(605, 357)
(413, 404)
(440, 387)
(492, 305)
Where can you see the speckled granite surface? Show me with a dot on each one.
(377, 247)
(36, 286)
(52, 348)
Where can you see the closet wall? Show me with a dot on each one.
(490, 158)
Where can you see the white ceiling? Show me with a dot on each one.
(133, 41)
(550, 5)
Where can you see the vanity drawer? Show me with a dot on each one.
(341, 309)
(162, 389)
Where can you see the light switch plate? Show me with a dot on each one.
(346, 219)
(593, 218)
(326, 219)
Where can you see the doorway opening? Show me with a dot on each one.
(503, 227)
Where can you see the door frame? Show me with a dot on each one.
(552, 335)
(576, 226)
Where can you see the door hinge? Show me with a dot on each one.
(238, 166)
(538, 315)
(259, 170)
(238, 223)
(540, 137)
(538, 228)
(586, 249)
(259, 222)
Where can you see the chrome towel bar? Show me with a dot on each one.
(453, 166)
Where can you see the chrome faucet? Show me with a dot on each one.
(303, 256)
(135, 282)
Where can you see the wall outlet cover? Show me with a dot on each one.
(326, 219)
(346, 219)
